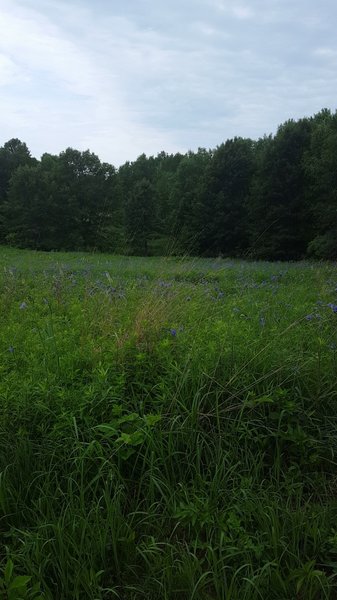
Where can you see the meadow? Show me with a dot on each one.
(168, 428)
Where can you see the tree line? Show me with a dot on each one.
(274, 198)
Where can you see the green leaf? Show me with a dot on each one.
(117, 410)
(108, 429)
(125, 438)
(128, 418)
(258, 401)
(125, 452)
(151, 420)
(19, 582)
(8, 572)
(137, 437)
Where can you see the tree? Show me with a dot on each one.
(13, 154)
(321, 169)
(190, 219)
(277, 211)
(40, 212)
(139, 213)
(226, 188)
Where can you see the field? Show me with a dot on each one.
(168, 428)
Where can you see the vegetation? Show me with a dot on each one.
(274, 198)
(168, 426)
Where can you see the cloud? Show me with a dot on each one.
(326, 52)
(8, 70)
(243, 12)
(239, 11)
(146, 75)
(72, 94)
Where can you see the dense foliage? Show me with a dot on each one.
(167, 428)
(275, 198)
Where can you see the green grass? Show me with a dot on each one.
(168, 428)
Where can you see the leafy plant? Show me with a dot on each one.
(18, 587)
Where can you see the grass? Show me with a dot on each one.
(168, 428)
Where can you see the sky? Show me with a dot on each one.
(126, 77)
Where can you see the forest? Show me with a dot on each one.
(271, 199)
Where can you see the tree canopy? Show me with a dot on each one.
(273, 198)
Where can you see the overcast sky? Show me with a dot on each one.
(122, 77)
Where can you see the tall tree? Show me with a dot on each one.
(226, 187)
(39, 212)
(277, 204)
(139, 217)
(13, 154)
(189, 223)
(321, 168)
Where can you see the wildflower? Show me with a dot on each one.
(333, 346)
(23, 305)
(309, 317)
(262, 321)
(333, 307)
(11, 349)
(173, 332)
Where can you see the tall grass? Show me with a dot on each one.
(168, 428)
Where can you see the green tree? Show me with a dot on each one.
(226, 187)
(13, 154)
(139, 217)
(321, 169)
(277, 206)
(190, 219)
(39, 213)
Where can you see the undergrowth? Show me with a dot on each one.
(168, 429)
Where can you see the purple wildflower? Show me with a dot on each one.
(173, 332)
(23, 305)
